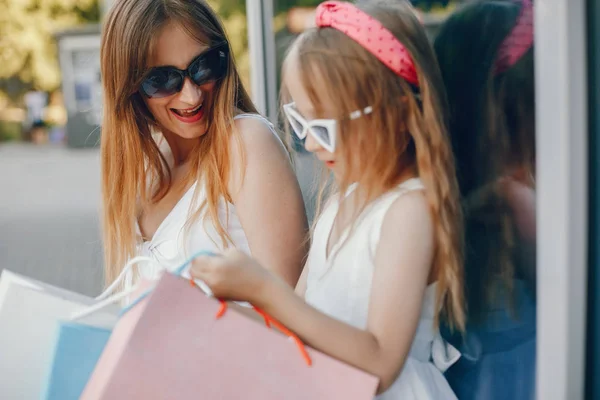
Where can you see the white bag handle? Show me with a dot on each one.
(106, 300)
(102, 304)
(125, 270)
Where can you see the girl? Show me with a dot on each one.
(385, 265)
(485, 51)
(187, 163)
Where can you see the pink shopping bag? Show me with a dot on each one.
(171, 346)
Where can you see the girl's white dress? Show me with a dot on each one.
(341, 288)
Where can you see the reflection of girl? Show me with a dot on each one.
(386, 258)
(485, 52)
(187, 163)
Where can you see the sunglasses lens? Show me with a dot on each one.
(322, 135)
(209, 66)
(166, 81)
(161, 83)
(297, 126)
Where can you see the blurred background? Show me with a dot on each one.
(50, 113)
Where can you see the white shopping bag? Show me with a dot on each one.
(29, 313)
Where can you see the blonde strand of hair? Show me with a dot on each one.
(435, 163)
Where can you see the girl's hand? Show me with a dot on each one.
(232, 276)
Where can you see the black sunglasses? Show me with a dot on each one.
(209, 66)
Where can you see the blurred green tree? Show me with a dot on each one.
(28, 57)
(233, 15)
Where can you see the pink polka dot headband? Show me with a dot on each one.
(370, 34)
(518, 41)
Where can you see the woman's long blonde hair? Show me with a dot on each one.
(129, 153)
(404, 130)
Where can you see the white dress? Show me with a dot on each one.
(172, 245)
(341, 288)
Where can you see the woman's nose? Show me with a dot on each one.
(190, 93)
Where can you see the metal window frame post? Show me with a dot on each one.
(562, 195)
(261, 45)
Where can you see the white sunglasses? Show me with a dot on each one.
(322, 130)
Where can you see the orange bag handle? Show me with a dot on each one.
(268, 322)
(272, 321)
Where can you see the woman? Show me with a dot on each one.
(485, 51)
(187, 163)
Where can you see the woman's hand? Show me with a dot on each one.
(232, 276)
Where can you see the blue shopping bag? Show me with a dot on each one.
(77, 350)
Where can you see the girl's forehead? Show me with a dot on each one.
(296, 89)
(307, 89)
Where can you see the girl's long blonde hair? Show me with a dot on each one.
(129, 153)
(406, 129)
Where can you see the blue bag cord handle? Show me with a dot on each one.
(177, 272)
